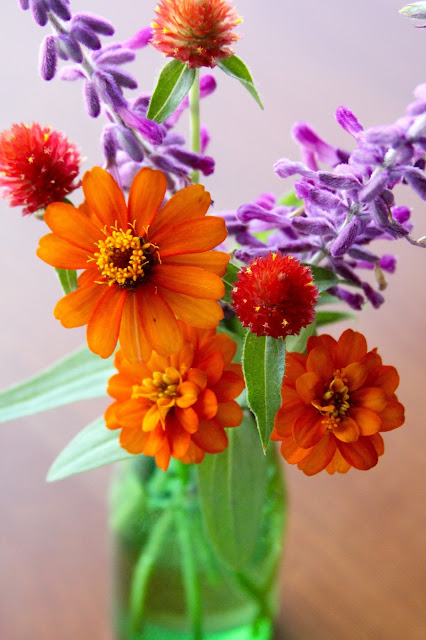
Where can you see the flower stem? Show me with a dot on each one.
(189, 567)
(194, 115)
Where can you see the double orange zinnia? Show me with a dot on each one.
(180, 405)
(336, 400)
(145, 264)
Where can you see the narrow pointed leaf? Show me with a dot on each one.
(79, 376)
(174, 82)
(323, 278)
(229, 279)
(298, 343)
(236, 68)
(68, 279)
(231, 521)
(95, 446)
(263, 367)
(329, 317)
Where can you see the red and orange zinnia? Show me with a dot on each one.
(144, 264)
(178, 406)
(337, 399)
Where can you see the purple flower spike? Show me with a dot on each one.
(374, 187)
(196, 161)
(61, 8)
(401, 214)
(354, 300)
(91, 100)
(285, 168)
(115, 56)
(348, 121)
(109, 90)
(416, 179)
(25, 4)
(94, 23)
(86, 36)
(128, 142)
(109, 145)
(39, 11)
(48, 58)
(148, 128)
(388, 263)
(122, 78)
(207, 85)
(373, 296)
(68, 48)
(204, 139)
(345, 239)
(310, 141)
(140, 39)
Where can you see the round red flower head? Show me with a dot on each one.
(144, 263)
(37, 166)
(197, 32)
(275, 296)
(178, 406)
(337, 399)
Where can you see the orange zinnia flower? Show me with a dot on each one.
(336, 400)
(144, 263)
(178, 406)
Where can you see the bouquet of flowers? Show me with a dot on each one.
(205, 328)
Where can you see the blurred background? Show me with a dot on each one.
(354, 559)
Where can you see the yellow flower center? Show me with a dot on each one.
(335, 401)
(124, 258)
(162, 385)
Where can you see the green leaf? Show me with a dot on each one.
(174, 82)
(298, 343)
(324, 278)
(68, 279)
(329, 317)
(93, 447)
(263, 367)
(229, 280)
(290, 199)
(235, 330)
(79, 376)
(326, 298)
(236, 68)
(225, 479)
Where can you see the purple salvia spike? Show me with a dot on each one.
(307, 138)
(196, 161)
(69, 47)
(127, 172)
(388, 263)
(168, 166)
(207, 85)
(204, 138)
(354, 300)
(340, 182)
(374, 186)
(48, 58)
(91, 99)
(118, 56)
(285, 168)
(70, 74)
(417, 180)
(39, 11)
(122, 78)
(173, 138)
(109, 90)
(401, 214)
(296, 246)
(252, 211)
(346, 238)
(109, 144)
(152, 131)
(127, 141)
(141, 103)
(61, 8)
(94, 23)
(359, 253)
(86, 36)
(313, 226)
(320, 197)
(388, 136)
(373, 296)
(140, 39)
(24, 4)
(388, 197)
(348, 121)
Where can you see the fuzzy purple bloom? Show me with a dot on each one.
(48, 58)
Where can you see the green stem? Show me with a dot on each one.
(144, 567)
(68, 279)
(260, 595)
(194, 115)
(189, 567)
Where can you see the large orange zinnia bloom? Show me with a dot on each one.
(336, 400)
(144, 264)
(178, 406)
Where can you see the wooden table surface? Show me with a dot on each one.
(354, 561)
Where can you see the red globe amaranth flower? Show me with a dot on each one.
(336, 400)
(178, 406)
(37, 166)
(275, 296)
(197, 32)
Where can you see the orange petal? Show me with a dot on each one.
(190, 281)
(377, 441)
(286, 417)
(187, 418)
(219, 342)
(212, 365)
(104, 198)
(191, 202)
(355, 375)
(387, 379)
(210, 437)
(309, 387)
(369, 397)
(132, 338)
(146, 196)
(206, 405)
(351, 347)
(70, 224)
(151, 419)
(178, 437)
(392, 415)
(133, 440)
(347, 430)
(325, 341)
(110, 416)
(204, 314)
(309, 428)
(319, 457)
(193, 236)
(360, 454)
(136, 371)
(368, 421)
(104, 323)
(213, 261)
(291, 451)
(194, 454)
(155, 442)
(61, 254)
(320, 363)
(76, 308)
(120, 387)
(189, 394)
(337, 464)
(130, 413)
(162, 458)
(158, 321)
(229, 414)
(198, 377)
(229, 386)
(295, 366)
